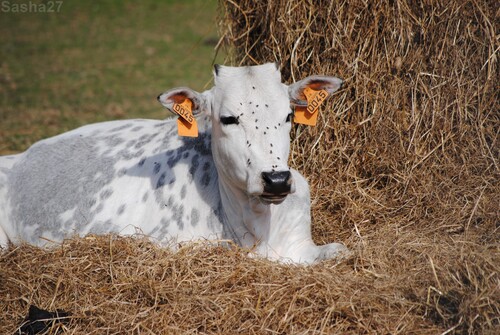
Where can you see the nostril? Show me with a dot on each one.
(266, 176)
(158, 97)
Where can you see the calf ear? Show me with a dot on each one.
(317, 83)
(200, 101)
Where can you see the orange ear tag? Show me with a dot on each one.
(309, 115)
(186, 123)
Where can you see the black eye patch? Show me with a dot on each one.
(227, 120)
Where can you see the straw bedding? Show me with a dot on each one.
(403, 168)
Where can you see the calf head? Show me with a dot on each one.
(251, 112)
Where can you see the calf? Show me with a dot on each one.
(230, 182)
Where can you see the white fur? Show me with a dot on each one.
(138, 176)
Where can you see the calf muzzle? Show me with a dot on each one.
(277, 185)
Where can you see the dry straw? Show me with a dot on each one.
(403, 167)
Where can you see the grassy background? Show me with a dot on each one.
(95, 61)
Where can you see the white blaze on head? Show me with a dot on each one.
(251, 122)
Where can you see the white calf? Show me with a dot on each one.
(230, 182)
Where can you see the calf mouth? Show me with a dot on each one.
(275, 199)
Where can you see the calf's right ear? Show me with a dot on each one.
(200, 101)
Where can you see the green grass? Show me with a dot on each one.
(96, 61)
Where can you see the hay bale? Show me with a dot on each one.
(411, 143)
(403, 166)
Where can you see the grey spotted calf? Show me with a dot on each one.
(232, 182)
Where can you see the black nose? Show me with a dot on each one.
(277, 182)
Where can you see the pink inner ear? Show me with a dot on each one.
(178, 98)
(317, 85)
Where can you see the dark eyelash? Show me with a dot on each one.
(226, 120)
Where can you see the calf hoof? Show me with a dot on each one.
(333, 250)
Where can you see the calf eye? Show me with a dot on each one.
(289, 117)
(225, 120)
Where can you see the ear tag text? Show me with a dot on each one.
(186, 123)
(309, 115)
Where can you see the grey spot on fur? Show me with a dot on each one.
(99, 208)
(113, 140)
(121, 209)
(145, 139)
(217, 216)
(195, 217)
(205, 180)
(173, 160)
(122, 172)
(161, 181)
(183, 192)
(92, 202)
(164, 222)
(160, 125)
(195, 163)
(201, 145)
(171, 182)
(161, 230)
(128, 155)
(105, 194)
(178, 214)
(125, 126)
(107, 226)
(137, 128)
(156, 168)
(145, 197)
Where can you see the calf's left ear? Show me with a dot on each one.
(200, 103)
(316, 83)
